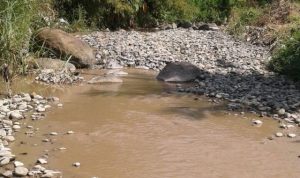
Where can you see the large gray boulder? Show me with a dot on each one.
(179, 72)
(67, 44)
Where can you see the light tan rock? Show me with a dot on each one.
(65, 43)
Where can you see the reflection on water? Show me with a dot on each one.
(137, 129)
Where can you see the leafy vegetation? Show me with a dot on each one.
(20, 18)
(287, 59)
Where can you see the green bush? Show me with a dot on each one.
(287, 60)
(213, 10)
(241, 17)
(119, 13)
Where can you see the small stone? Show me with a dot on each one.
(291, 135)
(281, 111)
(42, 161)
(279, 134)
(62, 148)
(53, 133)
(10, 138)
(7, 174)
(46, 140)
(16, 115)
(41, 109)
(60, 105)
(257, 122)
(16, 127)
(2, 133)
(18, 164)
(70, 132)
(39, 168)
(76, 164)
(21, 171)
(4, 161)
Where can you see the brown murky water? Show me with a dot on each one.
(137, 129)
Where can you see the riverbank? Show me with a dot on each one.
(231, 69)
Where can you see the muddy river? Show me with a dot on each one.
(142, 129)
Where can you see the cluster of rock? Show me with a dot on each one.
(12, 111)
(228, 68)
(50, 76)
(213, 51)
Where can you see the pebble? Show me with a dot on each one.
(76, 164)
(281, 111)
(60, 105)
(279, 134)
(46, 140)
(291, 135)
(53, 133)
(70, 132)
(16, 127)
(42, 161)
(257, 122)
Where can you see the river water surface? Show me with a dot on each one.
(141, 129)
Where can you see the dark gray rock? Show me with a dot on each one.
(179, 72)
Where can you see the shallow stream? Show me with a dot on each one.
(142, 129)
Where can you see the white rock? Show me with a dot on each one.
(53, 133)
(70, 132)
(15, 115)
(257, 122)
(42, 161)
(2, 133)
(21, 171)
(38, 168)
(281, 111)
(291, 135)
(7, 174)
(5, 153)
(10, 138)
(279, 134)
(40, 109)
(60, 105)
(76, 164)
(4, 161)
(16, 127)
(18, 164)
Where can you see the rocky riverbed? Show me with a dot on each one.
(12, 113)
(230, 69)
